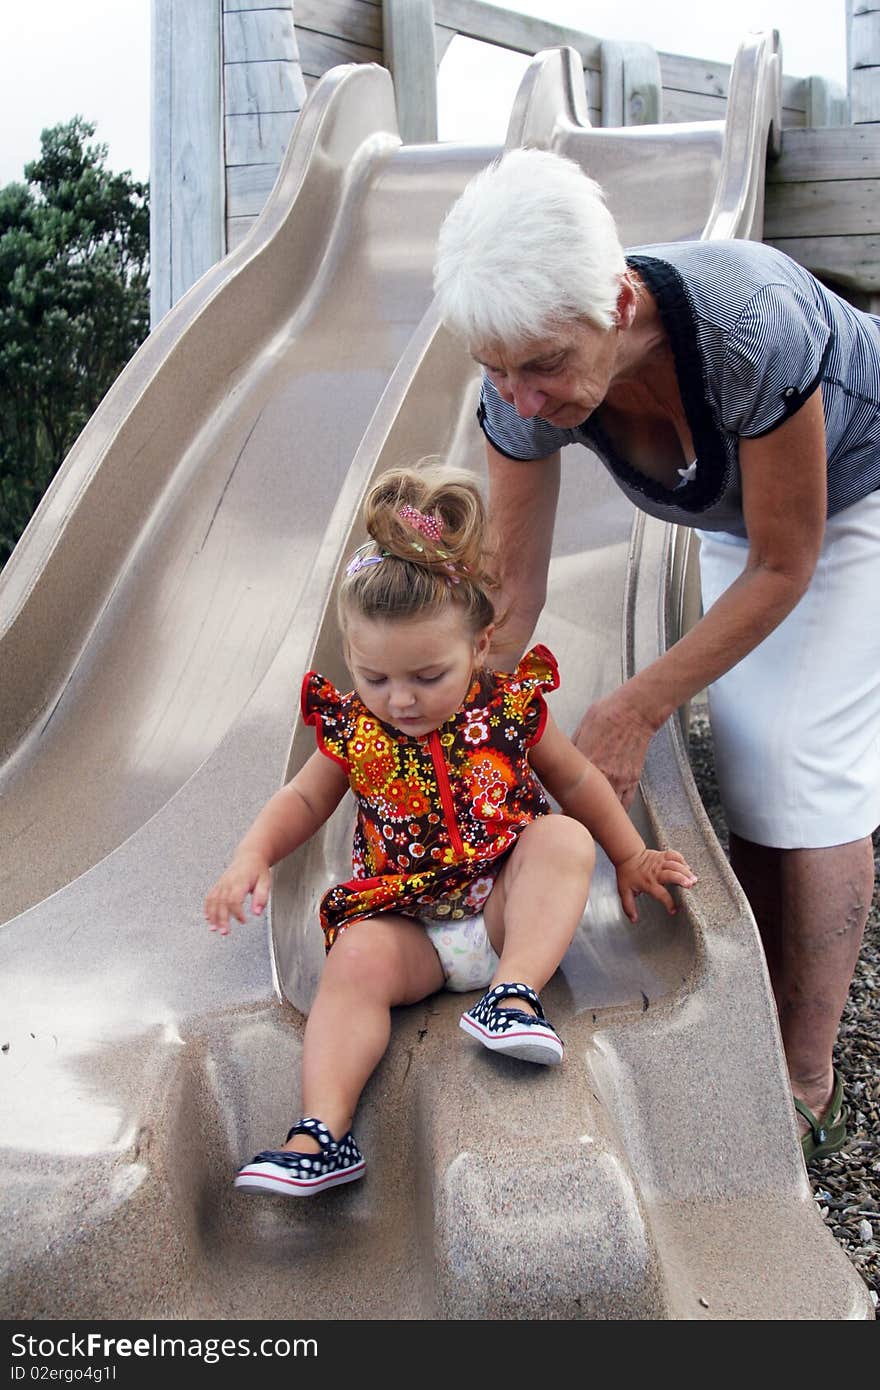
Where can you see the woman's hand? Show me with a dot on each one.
(248, 873)
(615, 736)
(647, 872)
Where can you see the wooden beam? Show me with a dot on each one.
(843, 152)
(476, 19)
(835, 207)
(259, 139)
(845, 260)
(353, 20)
(259, 36)
(186, 175)
(320, 52)
(408, 34)
(252, 88)
(247, 188)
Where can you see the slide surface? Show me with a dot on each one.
(155, 621)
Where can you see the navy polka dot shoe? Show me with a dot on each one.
(302, 1175)
(516, 1034)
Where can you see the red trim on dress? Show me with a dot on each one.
(313, 716)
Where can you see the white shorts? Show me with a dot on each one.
(465, 952)
(796, 724)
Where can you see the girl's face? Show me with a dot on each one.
(414, 673)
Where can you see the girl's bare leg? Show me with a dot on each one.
(373, 966)
(538, 900)
(811, 906)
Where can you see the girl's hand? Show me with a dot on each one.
(646, 872)
(248, 873)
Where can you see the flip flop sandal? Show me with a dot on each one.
(303, 1175)
(510, 1031)
(828, 1134)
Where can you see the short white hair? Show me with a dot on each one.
(529, 245)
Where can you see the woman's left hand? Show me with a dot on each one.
(615, 737)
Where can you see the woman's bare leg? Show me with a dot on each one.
(371, 967)
(538, 900)
(811, 906)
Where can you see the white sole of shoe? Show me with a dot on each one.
(265, 1177)
(530, 1044)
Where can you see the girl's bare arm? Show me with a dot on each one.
(584, 793)
(290, 818)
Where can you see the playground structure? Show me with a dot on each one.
(155, 620)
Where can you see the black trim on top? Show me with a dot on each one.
(714, 469)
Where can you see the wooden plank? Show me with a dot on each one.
(187, 212)
(864, 42)
(341, 19)
(835, 207)
(700, 76)
(259, 87)
(408, 43)
(258, 139)
(630, 84)
(682, 74)
(844, 260)
(842, 152)
(259, 36)
(247, 188)
(318, 52)
(237, 229)
(691, 106)
(864, 94)
(476, 19)
(232, 6)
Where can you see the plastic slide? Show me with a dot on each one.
(155, 621)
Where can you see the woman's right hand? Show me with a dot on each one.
(248, 873)
(614, 736)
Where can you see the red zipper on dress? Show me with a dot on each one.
(445, 791)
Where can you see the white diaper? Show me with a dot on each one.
(465, 952)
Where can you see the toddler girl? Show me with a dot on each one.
(462, 877)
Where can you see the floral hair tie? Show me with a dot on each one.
(429, 526)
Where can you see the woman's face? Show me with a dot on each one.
(562, 378)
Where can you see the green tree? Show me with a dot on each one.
(74, 306)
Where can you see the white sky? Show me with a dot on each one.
(60, 58)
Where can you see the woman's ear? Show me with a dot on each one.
(627, 302)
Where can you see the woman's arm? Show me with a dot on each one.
(784, 480)
(522, 511)
(290, 818)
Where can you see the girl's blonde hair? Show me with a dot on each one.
(427, 549)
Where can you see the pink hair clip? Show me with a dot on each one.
(430, 526)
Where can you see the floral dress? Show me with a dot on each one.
(436, 812)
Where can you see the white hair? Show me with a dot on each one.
(528, 245)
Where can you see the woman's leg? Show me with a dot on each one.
(538, 900)
(371, 967)
(811, 906)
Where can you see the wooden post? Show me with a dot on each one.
(863, 60)
(408, 39)
(630, 84)
(186, 158)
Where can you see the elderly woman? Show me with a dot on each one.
(724, 388)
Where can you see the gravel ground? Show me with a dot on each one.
(846, 1186)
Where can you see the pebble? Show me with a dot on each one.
(866, 1231)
